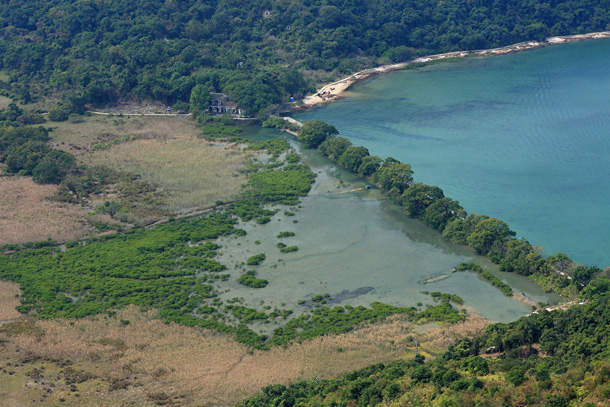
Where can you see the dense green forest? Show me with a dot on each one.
(258, 52)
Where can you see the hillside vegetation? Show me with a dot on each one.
(551, 359)
(258, 52)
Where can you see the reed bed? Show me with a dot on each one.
(90, 130)
(193, 172)
(9, 299)
(28, 215)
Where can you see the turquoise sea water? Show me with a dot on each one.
(522, 137)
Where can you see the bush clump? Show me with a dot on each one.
(249, 279)
(256, 259)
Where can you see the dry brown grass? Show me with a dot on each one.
(26, 214)
(199, 367)
(66, 135)
(433, 340)
(193, 172)
(9, 299)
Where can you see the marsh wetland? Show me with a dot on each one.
(357, 246)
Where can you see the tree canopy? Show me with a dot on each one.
(394, 176)
(314, 132)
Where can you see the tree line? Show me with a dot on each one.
(488, 236)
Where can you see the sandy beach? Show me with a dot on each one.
(332, 91)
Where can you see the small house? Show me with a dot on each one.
(220, 104)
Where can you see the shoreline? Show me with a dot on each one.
(333, 91)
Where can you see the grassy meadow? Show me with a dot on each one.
(191, 172)
(85, 131)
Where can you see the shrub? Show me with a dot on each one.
(58, 115)
(516, 376)
(256, 259)
(422, 374)
(263, 219)
(249, 279)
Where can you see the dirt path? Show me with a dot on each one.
(139, 114)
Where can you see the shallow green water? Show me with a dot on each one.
(358, 242)
(523, 137)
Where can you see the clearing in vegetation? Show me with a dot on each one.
(4, 101)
